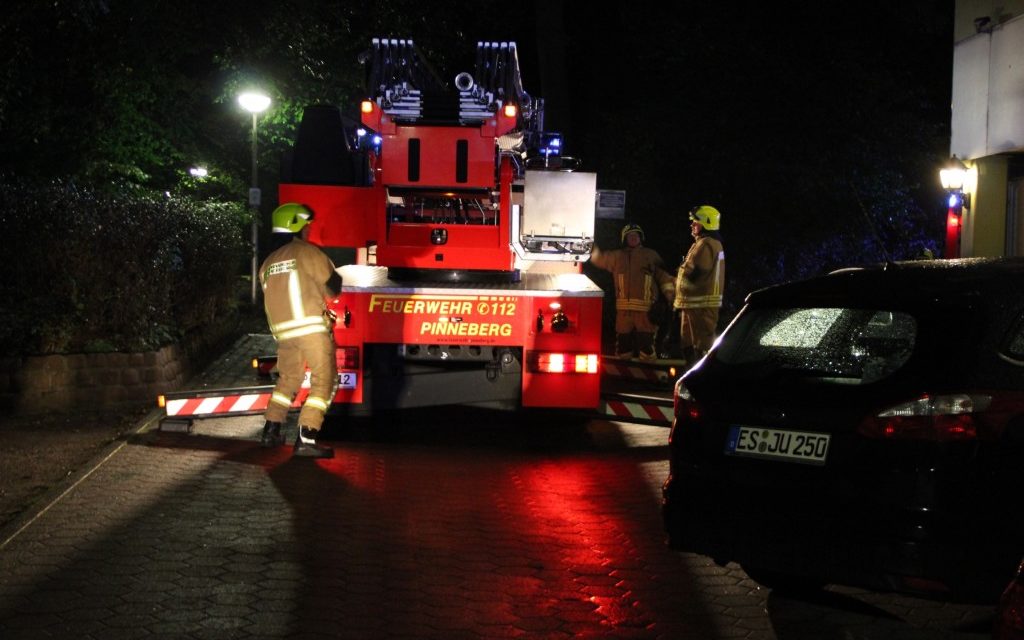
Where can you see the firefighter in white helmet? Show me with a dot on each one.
(297, 281)
(700, 283)
(640, 278)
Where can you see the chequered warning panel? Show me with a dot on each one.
(647, 411)
(228, 404)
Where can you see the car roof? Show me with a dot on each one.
(904, 283)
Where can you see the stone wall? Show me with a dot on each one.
(88, 381)
(92, 381)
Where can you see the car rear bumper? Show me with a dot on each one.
(885, 550)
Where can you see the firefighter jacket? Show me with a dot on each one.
(294, 280)
(639, 274)
(700, 280)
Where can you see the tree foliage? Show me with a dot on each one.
(90, 271)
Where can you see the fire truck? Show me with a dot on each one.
(465, 229)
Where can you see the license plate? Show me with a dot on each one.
(777, 444)
(348, 379)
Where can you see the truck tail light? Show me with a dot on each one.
(347, 357)
(947, 417)
(264, 365)
(548, 362)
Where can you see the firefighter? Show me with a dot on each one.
(700, 282)
(639, 276)
(297, 279)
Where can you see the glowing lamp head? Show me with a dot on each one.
(953, 174)
(254, 102)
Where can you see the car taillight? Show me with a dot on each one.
(548, 362)
(945, 417)
(684, 405)
(348, 357)
(686, 410)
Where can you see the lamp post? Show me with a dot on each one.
(952, 177)
(255, 103)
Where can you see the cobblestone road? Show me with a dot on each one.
(462, 526)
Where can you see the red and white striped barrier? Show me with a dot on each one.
(639, 410)
(226, 405)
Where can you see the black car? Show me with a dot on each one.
(863, 428)
(1009, 618)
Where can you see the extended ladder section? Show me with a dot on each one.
(408, 89)
(453, 162)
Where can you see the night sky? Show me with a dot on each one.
(816, 129)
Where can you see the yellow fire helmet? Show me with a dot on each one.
(291, 218)
(631, 228)
(707, 216)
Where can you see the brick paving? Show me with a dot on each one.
(461, 527)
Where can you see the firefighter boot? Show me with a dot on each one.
(306, 445)
(272, 436)
(624, 346)
(645, 345)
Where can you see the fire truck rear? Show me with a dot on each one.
(467, 230)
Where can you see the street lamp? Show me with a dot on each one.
(255, 103)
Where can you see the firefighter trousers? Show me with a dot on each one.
(634, 333)
(697, 331)
(293, 356)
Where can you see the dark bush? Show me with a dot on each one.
(89, 271)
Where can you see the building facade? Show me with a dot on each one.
(987, 126)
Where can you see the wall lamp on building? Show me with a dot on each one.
(954, 178)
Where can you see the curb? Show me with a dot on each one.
(24, 520)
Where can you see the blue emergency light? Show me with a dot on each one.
(551, 145)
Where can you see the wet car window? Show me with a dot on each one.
(1015, 348)
(850, 346)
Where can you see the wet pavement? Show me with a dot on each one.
(456, 524)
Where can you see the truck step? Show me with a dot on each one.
(656, 371)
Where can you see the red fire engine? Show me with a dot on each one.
(464, 229)
(469, 239)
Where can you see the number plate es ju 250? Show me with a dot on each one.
(777, 444)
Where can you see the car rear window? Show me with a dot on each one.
(1015, 344)
(849, 346)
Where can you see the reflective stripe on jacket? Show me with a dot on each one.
(294, 282)
(638, 275)
(700, 280)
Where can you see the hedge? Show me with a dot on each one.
(87, 271)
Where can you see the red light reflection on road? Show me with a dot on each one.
(498, 544)
(570, 502)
